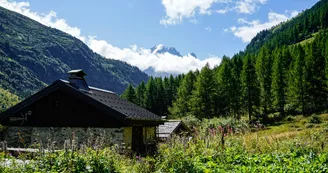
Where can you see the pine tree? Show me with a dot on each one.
(264, 74)
(250, 90)
(161, 108)
(129, 94)
(205, 95)
(181, 106)
(140, 94)
(315, 77)
(236, 106)
(225, 83)
(150, 96)
(279, 78)
(297, 84)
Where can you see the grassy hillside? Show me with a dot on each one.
(33, 55)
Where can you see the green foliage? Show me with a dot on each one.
(279, 78)
(182, 105)
(264, 75)
(250, 92)
(205, 95)
(315, 119)
(7, 99)
(217, 145)
(129, 94)
(293, 31)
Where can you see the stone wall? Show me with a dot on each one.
(58, 137)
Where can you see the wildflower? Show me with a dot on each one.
(88, 167)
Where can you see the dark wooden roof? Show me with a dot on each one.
(102, 99)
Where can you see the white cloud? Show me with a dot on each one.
(177, 10)
(248, 6)
(208, 29)
(143, 58)
(140, 57)
(223, 11)
(249, 29)
(49, 19)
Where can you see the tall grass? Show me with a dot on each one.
(217, 145)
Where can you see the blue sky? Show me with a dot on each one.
(125, 29)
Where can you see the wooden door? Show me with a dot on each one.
(137, 139)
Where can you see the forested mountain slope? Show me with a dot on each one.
(274, 77)
(293, 31)
(33, 55)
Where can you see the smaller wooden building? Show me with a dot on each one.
(72, 109)
(171, 128)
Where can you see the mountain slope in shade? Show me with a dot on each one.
(33, 55)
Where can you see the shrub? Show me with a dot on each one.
(315, 119)
(290, 118)
(309, 125)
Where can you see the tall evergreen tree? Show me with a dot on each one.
(129, 94)
(297, 84)
(250, 89)
(315, 77)
(150, 96)
(205, 95)
(237, 66)
(279, 78)
(140, 94)
(161, 108)
(264, 74)
(225, 83)
(181, 106)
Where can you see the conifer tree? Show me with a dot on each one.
(264, 75)
(205, 95)
(250, 89)
(161, 108)
(129, 94)
(181, 106)
(279, 78)
(297, 84)
(225, 83)
(150, 96)
(140, 94)
(236, 106)
(315, 77)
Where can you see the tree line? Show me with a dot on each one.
(287, 80)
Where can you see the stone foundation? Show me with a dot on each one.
(58, 137)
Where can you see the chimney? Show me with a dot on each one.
(76, 80)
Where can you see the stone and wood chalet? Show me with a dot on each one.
(72, 109)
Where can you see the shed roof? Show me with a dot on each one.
(169, 127)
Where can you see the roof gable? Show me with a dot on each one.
(169, 127)
(103, 100)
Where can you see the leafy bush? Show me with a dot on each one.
(315, 119)
(290, 118)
